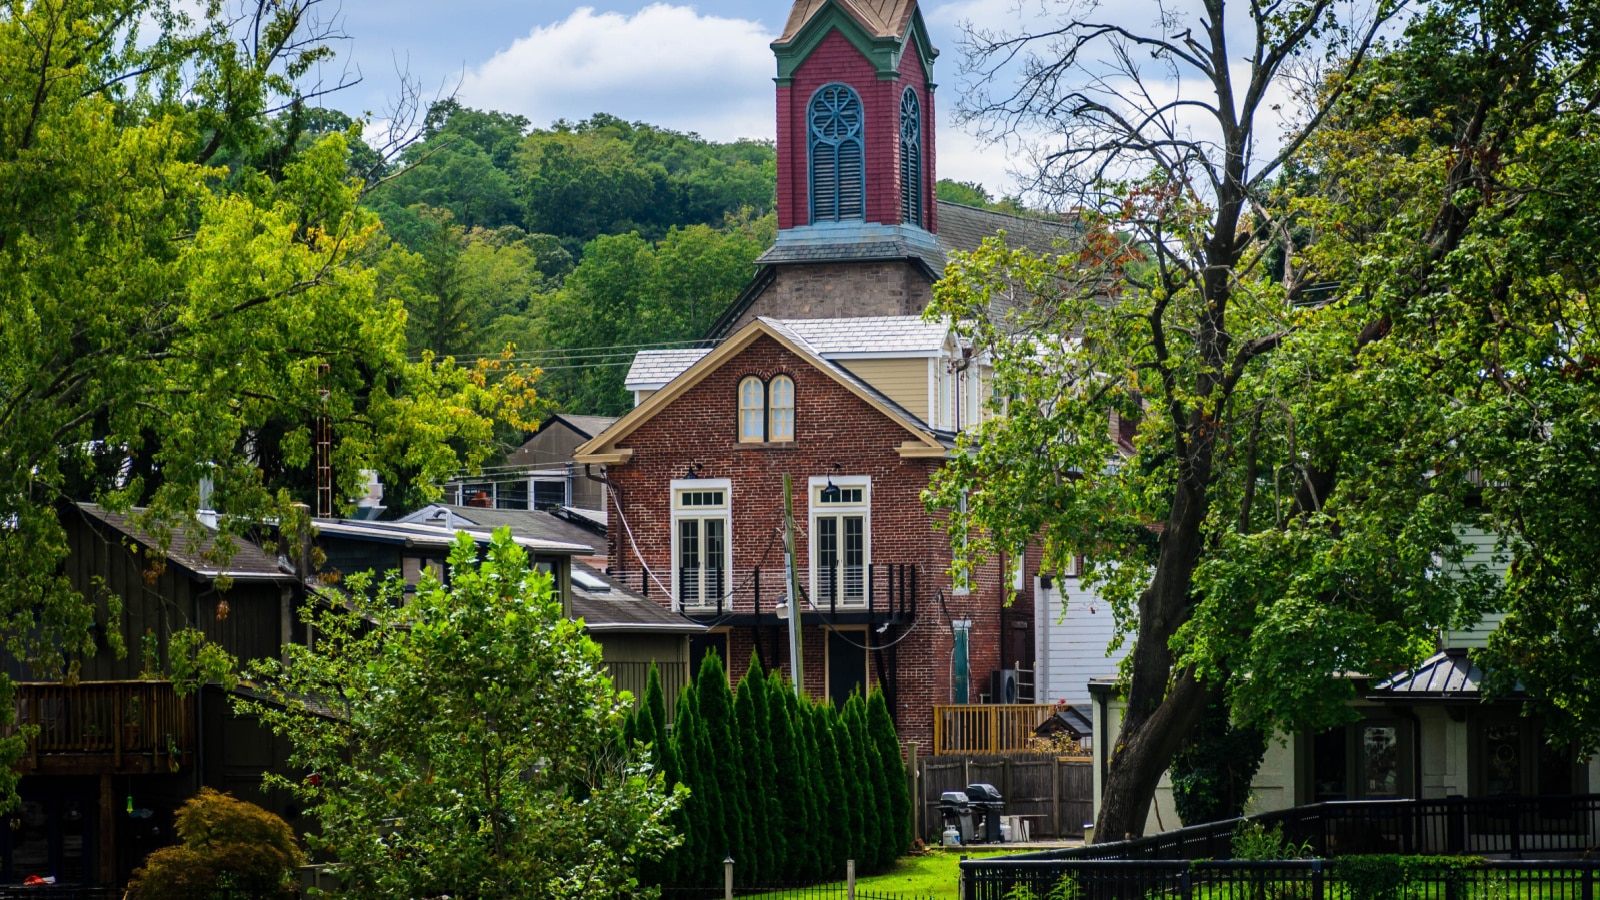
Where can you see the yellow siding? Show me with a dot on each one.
(905, 381)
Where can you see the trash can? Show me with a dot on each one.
(955, 810)
(987, 807)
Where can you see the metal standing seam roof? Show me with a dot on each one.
(192, 546)
(1444, 675)
(652, 369)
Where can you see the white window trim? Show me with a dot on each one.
(961, 575)
(742, 409)
(703, 484)
(815, 509)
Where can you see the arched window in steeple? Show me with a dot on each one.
(834, 123)
(910, 158)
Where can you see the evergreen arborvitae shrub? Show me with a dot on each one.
(871, 779)
(725, 759)
(843, 819)
(757, 863)
(704, 807)
(766, 794)
(227, 846)
(880, 725)
(787, 817)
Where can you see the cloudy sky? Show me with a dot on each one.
(704, 67)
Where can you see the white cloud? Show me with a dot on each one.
(667, 65)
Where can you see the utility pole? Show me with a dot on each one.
(791, 586)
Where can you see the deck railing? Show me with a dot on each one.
(140, 725)
(988, 727)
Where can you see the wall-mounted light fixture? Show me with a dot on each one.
(830, 494)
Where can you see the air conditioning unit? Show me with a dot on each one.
(1004, 686)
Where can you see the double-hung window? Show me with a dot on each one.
(701, 553)
(841, 541)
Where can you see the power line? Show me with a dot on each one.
(570, 350)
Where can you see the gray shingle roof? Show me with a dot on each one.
(964, 228)
(653, 368)
(823, 362)
(870, 334)
(588, 426)
(619, 609)
(852, 251)
(192, 547)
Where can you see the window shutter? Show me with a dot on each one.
(910, 158)
(836, 155)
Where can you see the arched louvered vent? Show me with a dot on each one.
(837, 161)
(910, 158)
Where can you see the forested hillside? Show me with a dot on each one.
(574, 244)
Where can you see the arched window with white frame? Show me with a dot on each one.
(752, 410)
(780, 409)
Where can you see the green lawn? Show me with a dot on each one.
(932, 874)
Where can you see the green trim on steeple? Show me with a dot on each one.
(884, 53)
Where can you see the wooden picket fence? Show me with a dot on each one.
(1054, 792)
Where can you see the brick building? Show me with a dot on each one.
(859, 413)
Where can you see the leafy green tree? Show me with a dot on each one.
(971, 193)
(164, 318)
(226, 845)
(1297, 348)
(463, 739)
(700, 862)
(886, 747)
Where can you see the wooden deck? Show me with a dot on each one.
(990, 728)
(105, 727)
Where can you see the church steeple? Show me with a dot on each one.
(855, 129)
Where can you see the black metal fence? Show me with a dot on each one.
(1355, 878)
(1514, 827)
(835, 891)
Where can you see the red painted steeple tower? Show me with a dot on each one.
(857, 218)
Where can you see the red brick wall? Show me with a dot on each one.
(832, 425)
(837, 60)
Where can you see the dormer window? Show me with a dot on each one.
(780, 418)
(834, 125)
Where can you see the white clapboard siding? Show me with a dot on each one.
(1071, 641)
(1483, 553)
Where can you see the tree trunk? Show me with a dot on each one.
(1161, 709)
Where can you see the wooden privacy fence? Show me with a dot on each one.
(987, 728)
(1055, 793)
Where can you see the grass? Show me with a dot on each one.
(931, 874)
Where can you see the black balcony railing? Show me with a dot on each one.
(882, 590)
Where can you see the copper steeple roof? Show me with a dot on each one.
(881, 18)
